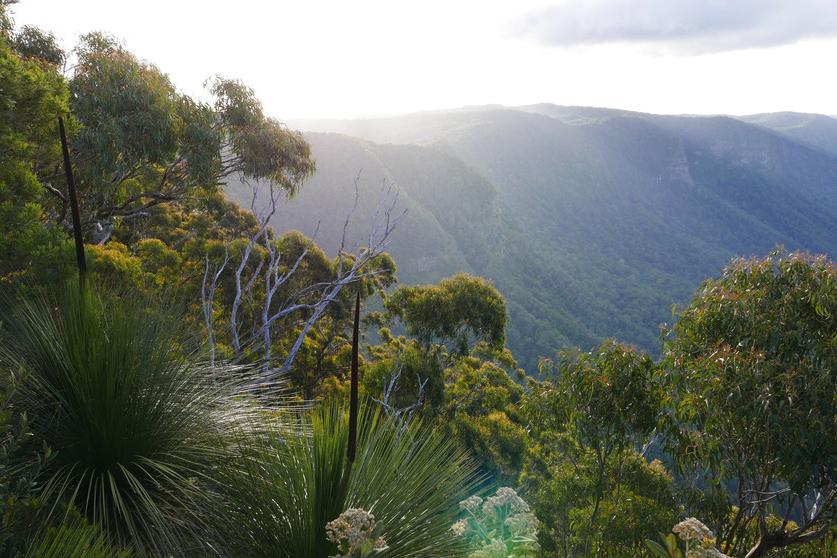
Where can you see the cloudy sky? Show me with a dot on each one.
(338, 58)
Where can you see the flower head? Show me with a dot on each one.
(471, 505)
(493, 549)
(499, 526)
(460, 527)
(522, 524)
(505, 501)
(352, 532)
(692, 529)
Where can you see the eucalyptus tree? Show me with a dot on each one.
(753, 369)
(34, 94)
(459, 312)
(590, 422)
(139, 146)
(34, 43)
(141, 143)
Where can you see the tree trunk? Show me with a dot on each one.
(766, 543)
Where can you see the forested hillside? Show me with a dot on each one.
(221, 337)
(592, 222)
(455, 221)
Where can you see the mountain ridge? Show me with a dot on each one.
(592, 223)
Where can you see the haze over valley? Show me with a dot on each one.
(593, 222)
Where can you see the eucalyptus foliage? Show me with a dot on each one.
(586, 480)
(753, 368)
(141, 143)
(458, 311)
(32, 96)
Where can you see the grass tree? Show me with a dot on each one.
(74, 538)
(135, 427)
(286, 489)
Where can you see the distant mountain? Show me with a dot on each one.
(592, 222)
(578, 115)
(815, 130)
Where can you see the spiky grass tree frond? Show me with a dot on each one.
(282, 489)
(134, 424)
(409, 477)
(75, 539)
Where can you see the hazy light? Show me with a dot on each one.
(317, 58)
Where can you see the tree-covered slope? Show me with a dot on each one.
(592, 222)
(453, 222)
(425, 239)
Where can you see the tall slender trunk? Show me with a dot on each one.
(353, 402)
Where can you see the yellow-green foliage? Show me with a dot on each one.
(34, 94)
(459, 310)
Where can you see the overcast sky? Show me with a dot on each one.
(348, 58)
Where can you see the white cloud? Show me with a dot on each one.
(333, 58)
(681, 26)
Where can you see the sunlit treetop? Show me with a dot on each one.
(460, 311)
(31, 42)
(140, 142)
(756, 356)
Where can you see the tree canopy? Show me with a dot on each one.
(142, 143)
(460, 310)
(590, 422)
(34, 95)
(753, 368)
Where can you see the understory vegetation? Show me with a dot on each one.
(210, 388)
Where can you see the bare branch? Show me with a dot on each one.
(312, 300)
(263, 219)
(392, 410)
(208, 297)
(344, 277)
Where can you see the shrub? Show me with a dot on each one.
(499, 526)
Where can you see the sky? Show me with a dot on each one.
(357, 58)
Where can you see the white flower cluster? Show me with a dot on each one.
(352, 532)
(460, 528)
(692, 529)
(499, 526)
(522, 524)
(505, 502)
(494, 549)
(471, 505)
